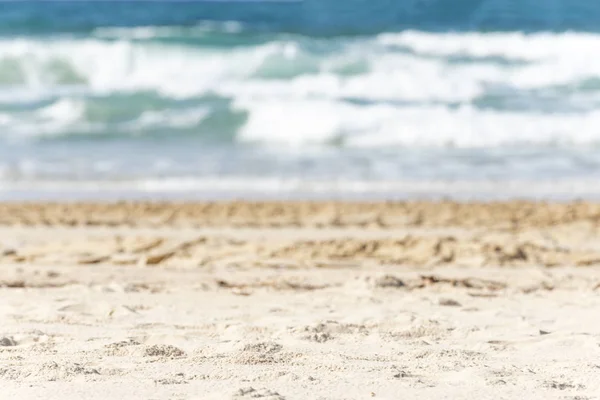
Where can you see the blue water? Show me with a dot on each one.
(307, 17)
(300, 98)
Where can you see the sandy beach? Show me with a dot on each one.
(299, 300)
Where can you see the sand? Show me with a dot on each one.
(295, 300)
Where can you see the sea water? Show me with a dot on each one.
(312, 98)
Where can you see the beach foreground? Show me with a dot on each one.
(296, 300)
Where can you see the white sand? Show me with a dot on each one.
(238, 327)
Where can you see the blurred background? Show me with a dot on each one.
(300, 99)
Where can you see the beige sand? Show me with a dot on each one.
(300, 301)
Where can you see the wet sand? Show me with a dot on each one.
(299, 300)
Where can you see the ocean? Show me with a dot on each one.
(300, 99)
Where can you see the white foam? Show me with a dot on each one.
(67, 115)
(552, 59)
(49, 120)
(412, 92)
(126, 66)
(532, 47)
(295, 123)
(170, 118)
(555, 57)
(63, 111)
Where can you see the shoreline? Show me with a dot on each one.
(266, 190)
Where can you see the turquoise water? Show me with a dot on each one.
(300, 98)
